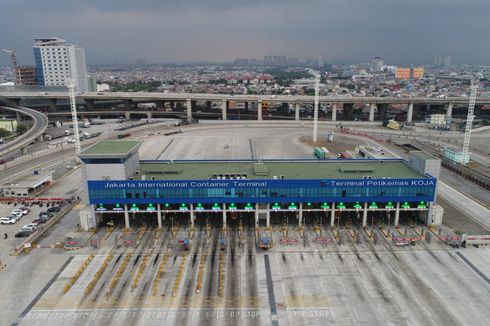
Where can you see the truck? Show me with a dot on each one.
(475, 240)
(323, 153)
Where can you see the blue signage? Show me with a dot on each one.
(261, 191)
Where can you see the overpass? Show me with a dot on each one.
(337, 102)
(36, 131)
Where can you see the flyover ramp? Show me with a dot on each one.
(38, 128)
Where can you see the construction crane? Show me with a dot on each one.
(13, 60)
(465, 157)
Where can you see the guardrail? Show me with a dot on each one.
(65, 146)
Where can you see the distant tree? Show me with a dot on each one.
(4, 133)
(21, 128)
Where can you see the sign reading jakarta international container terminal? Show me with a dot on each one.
(259, 183)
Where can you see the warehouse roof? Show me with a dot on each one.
(276, 169)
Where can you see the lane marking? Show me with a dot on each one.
(42, 292)
(474, 268)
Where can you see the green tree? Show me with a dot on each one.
(4, 132)
(21, 128)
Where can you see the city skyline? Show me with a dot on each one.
(220, 31)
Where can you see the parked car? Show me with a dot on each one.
(15, 216)
(16, 213)
(22, 234)
(8, 220)
(30, 227)
(46, 214)
(53, 209)
(40, 220)
(21, 210)
(25, 210)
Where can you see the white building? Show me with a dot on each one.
(56, 61)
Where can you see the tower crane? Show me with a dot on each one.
(465, 155)
(13, 60)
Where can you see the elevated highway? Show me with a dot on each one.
(338, 103)
(37, 129)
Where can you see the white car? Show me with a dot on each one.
(17, 213)
(30, 227)
(8, 220)
(16, 216)
(20, 210)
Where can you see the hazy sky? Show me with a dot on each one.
(400, 31)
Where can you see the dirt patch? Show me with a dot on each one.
(338, 145)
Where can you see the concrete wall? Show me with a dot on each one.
(132, 165)
(105, 171)
(425, 166)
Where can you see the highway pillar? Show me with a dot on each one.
(371, 111)
(223, 109)
(18, 116)
(126, 216)
(296, 112)
(160, 104)
(90, 105)
(192, 215)
(128, 104)
(300, 214)
(364, 215)
(23, 150)
(189, 108)
(397, 215)
(159, 216)
(148, 115)
(127, 115)
(348, 112)
(410, 112)
(259, 110)
(332, 216)
(334, 112)
(256, 215)
(449, 111)
(268, 216)
(224, 215)
(52, 105)
(382, 111)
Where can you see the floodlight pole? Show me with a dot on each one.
(74, 119)
(315, 108)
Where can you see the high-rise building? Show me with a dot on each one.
(56, 61)
(25, 75)
(418, 72)
(402, 73)
(268, 60)
(377, 64)
(447, 61)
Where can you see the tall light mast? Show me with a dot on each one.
(13, 61)
(73, 106)
(315, 108)
(465, 155)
